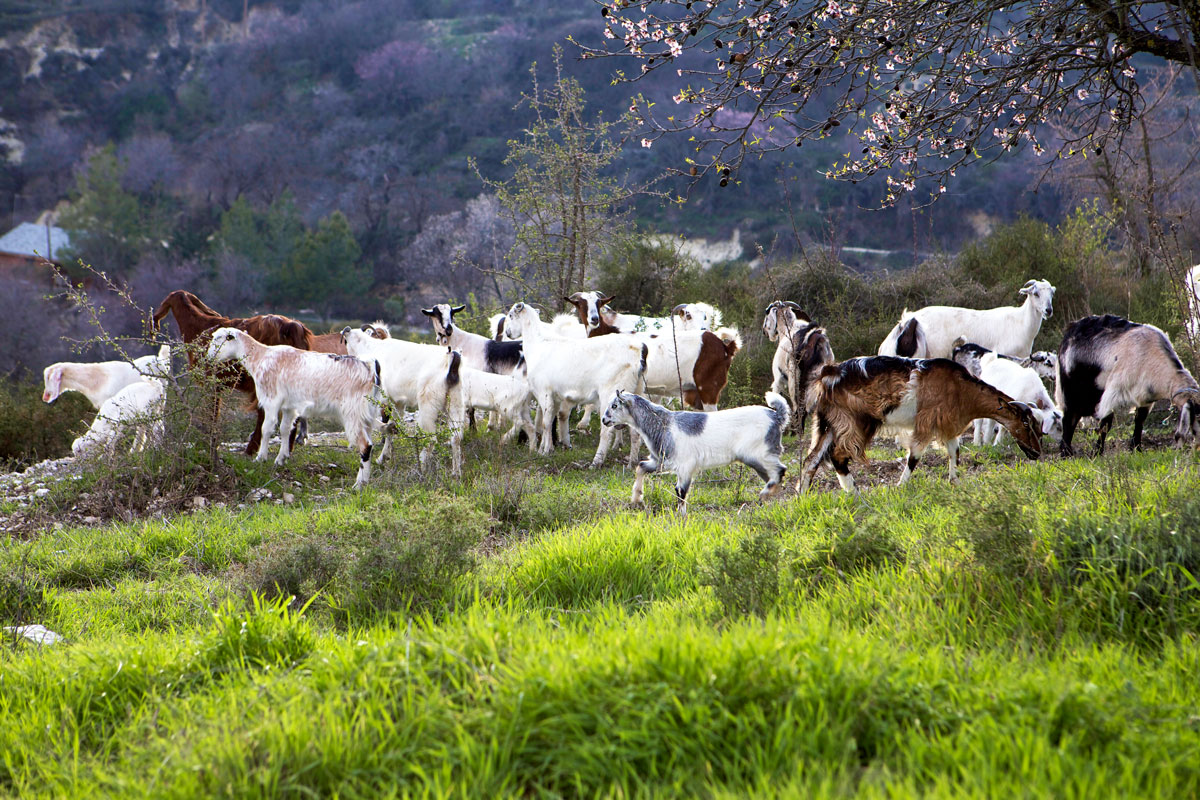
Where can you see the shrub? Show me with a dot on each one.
(415, 566)
(293, 568)
(31, 430)
(1136, 575)
(745, 579)
(861, 546)
(399, 558)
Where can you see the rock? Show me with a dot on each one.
(41, 492)
(289, 498)
(90, 520)
(261, 494)
(199, 502)
(324, 479)
(38, 634)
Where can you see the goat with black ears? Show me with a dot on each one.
(688, 442)
(922, 400)
(1109, 363)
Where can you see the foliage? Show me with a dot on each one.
(645, 275)
(31, 430)
(110, 227)
(745, 580)
(324, 271)
(395, 561)
(266, 238)
(922, 89)
(565, 206)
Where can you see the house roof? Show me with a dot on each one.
(28, 239)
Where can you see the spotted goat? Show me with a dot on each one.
(689, 442)
(291, 383)
(921, 400)
(1107, 363)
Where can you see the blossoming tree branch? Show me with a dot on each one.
(915, 88)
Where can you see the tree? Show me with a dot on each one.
(914, 89)
(265, 238)
(324, 271)
(564, 205)
(111, 228)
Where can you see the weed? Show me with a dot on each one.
(745, 579)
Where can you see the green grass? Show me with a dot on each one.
(1030, 631)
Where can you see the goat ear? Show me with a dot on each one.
(429, 312)
(603, 301)
(575, 298)
(957, 343)
(457, 309)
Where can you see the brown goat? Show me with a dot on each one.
(196, 321)
(925, 400)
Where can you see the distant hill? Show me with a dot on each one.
(372, 108)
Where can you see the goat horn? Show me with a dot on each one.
(679, 309)
(575, 298)
(345, 331)
(1185, 393)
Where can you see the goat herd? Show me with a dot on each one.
(938, 371)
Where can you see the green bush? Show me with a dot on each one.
(413, 567)
(31, 430)
(745, 579)
(861, 546)
(397, 559)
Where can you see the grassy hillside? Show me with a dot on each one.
(521, 632)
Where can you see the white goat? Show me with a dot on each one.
(592, 309)
(137, 405)
(930, 332)
(781, 320)
(508, 396)
(1109, 363)
(101, 380)
(1022, 384)
(575, 371)
(689, 442)
(293, 383)
(478, 352)
(420, 375)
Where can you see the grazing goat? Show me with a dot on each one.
(970, 355)
(923, 400)
(101, 380)
(1108, 363)
(137, 405)
(930, 332)
(1019, 383)
(811, 351)
(421, 375)
(195, 320)
(687, 442)
(575, 371)
(294, 383)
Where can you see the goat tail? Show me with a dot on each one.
(641, 375)
(779, 407)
